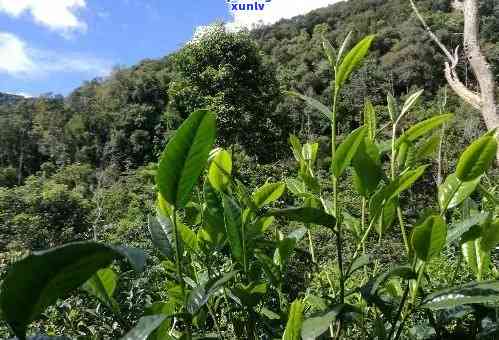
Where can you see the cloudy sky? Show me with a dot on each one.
(55, 45)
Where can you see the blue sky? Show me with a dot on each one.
(55, 45)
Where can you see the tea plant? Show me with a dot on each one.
(225, 256)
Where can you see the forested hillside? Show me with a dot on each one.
(82, 166)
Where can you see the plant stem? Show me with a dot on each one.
(339, 246)
(178, 247)
(402, 230)
(311, 245)
(400, 309)
(392, 170)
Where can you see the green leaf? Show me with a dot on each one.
(188, 236)
(387, 216)
(394, 189)
(404, 272)
(352, 61)
(314, 103)
(347, 150)
(423, 128)
(410, 101)
(233, 221)
(313, 328)
(296, 148)
(295, 321)
(358, 263)
(214, 211)
(168, 310)
(202, 293)
(272, 270)
(145, 326)
(471, 293)
(458, 229)
(305, 215)
(367, 166)
(471, 252)
(370, 120)
(268, 193)
(453, 192)
(38, 280)
(392, 108)
(185, 157)
(296, 186)
(220, 170)
(161, 230)
(490, 235)
(102, 286)
(428, 147)
(343, 47)
(309, 152)
(428, 238)
(330, 52)
(477, 158)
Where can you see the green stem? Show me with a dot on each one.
(402, 230)
(311, 245)
(392, 171)
(178, 247)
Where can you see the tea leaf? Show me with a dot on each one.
(268, 193)
(453, 192)
(145, 326)
(471, 293)
(352, 61)
(428, 238)
(220, 170)
(185, 157)
(314, 103)
(477, 158)
(295, 321)
(347, 150)
(38, 280)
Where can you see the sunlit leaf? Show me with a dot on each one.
(428, 238)
(410, 101)
(471, 293)
(295, 321)
(220, 170)
(347, 150)
(102, 286)
(477, 158)
(268, 193)
(352, 61)
(38, 280)
(453, 192)
(185, 157)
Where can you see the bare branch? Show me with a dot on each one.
(450, 67)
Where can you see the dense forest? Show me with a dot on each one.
(83, 166)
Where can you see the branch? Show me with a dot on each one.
(450, 66)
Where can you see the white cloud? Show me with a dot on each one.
(58, 15)
(273, 11)
(14, 58)
(19, 60)
(22, 94)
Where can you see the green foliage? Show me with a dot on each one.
(428, 238)
(216, 230)
(38, 280)
(477, 158)
(185, 156)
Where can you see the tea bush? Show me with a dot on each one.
(231, 260)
